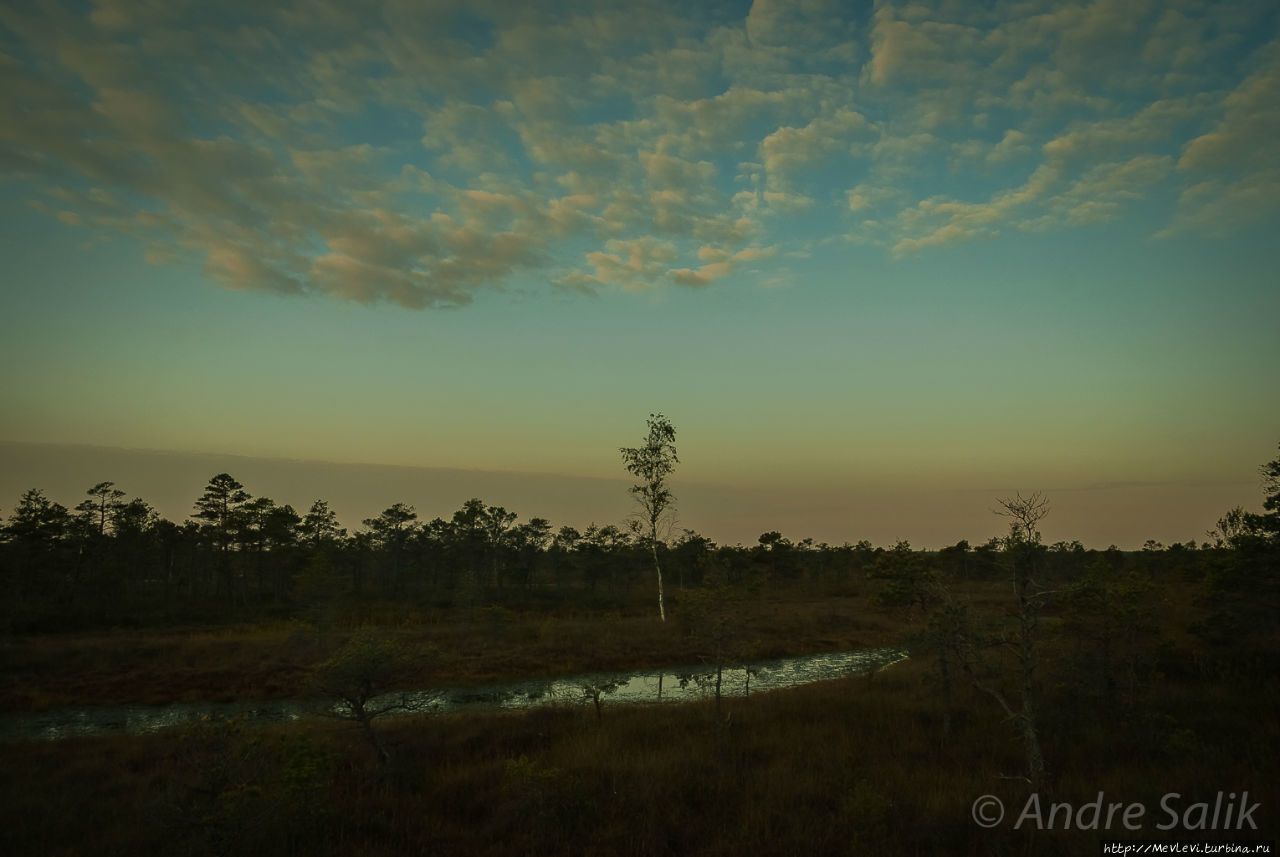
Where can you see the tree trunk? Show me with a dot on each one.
(654, 545)
(367, 726)
(1031, 743)
(1028, 620)
(362, 717)
(1026, 724)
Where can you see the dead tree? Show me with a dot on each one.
(1023, 551)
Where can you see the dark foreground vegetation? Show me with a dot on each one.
(1048, 670)
(859, 765)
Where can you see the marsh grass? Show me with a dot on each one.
(275, 660)
(859, 765)
(845, 766)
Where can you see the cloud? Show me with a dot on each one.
(921, 51)
(667, 173)
(1250, 126)
(1216, 208)
(802, 31)
(1048, 200)
(347, 167)
(936, 220)
(467, 137)
(237, 267)
(726, 119)
(424, 154)
(789, 150)
(1150, 125)
(704, 276)
(864, 196)
(1105, 190)
(1013, 145)
(719, 263)
(633, 264)
(786, 203)
(754, 254)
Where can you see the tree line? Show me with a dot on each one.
(114, 558)
(114, 561)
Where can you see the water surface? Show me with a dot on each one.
(671, 685)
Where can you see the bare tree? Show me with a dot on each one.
(956, 642)
(652, 463)
(1023, 549)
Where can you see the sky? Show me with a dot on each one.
(879, 264)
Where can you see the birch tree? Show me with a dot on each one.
(652, 463)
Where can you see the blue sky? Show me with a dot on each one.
(859, 254)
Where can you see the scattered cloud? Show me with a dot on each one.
(634, 264)
(423, 155)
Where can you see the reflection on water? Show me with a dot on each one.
(671, 685)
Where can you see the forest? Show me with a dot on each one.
(1052, 670)
(113, 562)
